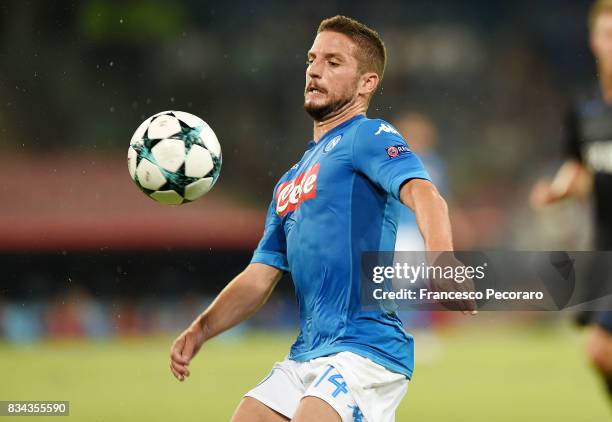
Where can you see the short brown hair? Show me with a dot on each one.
(371, 52)
(598, 8)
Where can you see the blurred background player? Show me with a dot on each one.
(421, 134)
(588, 168)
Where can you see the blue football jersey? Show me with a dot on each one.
(340, 200)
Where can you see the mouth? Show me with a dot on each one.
(315, 90)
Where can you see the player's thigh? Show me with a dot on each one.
(328, 398)
(599, 348)
(252, 410)
(315, 409)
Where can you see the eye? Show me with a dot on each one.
(334, 64)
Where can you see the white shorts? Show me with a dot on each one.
(357, 388)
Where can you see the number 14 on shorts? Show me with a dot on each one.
(335, 379)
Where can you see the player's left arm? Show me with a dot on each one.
(432, 218)
(382, 154)
(431, 213)
(384, 157)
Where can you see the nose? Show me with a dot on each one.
(315, 69)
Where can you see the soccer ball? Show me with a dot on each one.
(174, 157)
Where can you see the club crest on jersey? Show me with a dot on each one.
(292, 193)
(386, 128)
(395, 150)
(331, 144)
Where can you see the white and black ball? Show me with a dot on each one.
(174, 157)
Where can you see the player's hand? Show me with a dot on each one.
(460, 283)
(184, 349)
(541, 194)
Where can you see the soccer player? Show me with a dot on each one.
(420, 131)
(342, 198)
(588, 147)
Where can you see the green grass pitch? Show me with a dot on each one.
(478, 372)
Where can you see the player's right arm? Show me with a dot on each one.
(573, 179)
(240, 299)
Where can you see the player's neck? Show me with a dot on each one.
(324, 126)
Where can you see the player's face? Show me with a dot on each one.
(332, 75)
(601, 42)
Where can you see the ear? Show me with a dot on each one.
(368, 83)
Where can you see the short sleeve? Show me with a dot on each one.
(272, 248)
(571, 140)
(383, 156)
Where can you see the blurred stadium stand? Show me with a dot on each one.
(76, 79)
(63, 201)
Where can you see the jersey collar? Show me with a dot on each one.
(312, 143)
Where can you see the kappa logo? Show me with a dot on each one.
(292, 193)
(331, 144)
(386, 128)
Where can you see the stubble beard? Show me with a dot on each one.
(319, 112)
(326, 110)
